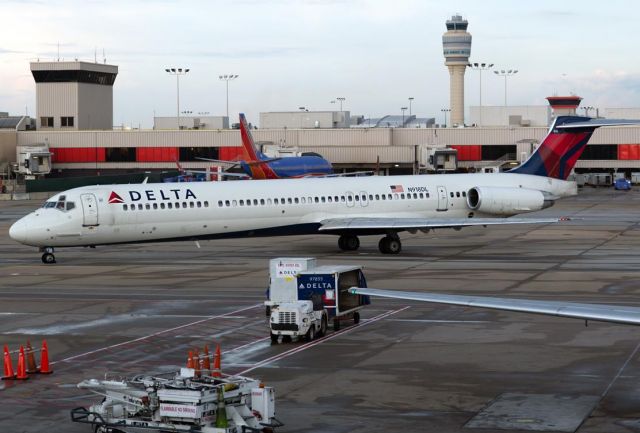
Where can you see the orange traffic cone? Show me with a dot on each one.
(22, 368)
(8, 368)
(206, 363)
(31, 359)
(44, 359)
(190, 360)
(196, 363)
(217, 372)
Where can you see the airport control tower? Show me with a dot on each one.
(74, 95)
(456, 44)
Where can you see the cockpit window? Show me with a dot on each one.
(60, 204)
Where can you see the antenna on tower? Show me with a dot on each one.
(95, 54)
(104, 58)
(58, 50)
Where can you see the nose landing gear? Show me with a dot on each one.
(48, 257)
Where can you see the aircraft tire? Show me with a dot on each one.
(48, 258)
(390, 245)
(349, 242)
(382, 245)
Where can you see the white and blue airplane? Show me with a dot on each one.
(347, 207)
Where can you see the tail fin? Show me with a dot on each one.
(568, 136)
(249, 153)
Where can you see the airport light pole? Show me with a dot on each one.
(341, 99)
(480, 67)
(403, 110)
(227, 78)
(445, 111)
(411, 98)
(587, 109)
(506, 74)
(177, 72)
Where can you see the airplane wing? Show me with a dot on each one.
(353, 173)
(224, 173)
(596, 312)
(359, 223)
(220, 161)
(234, 163)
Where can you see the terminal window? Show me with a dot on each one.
(600, 151)
(495, 152)
(46, 122)
(193, 153)
(120, 154)
(66, 121)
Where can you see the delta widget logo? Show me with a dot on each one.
(115, 198)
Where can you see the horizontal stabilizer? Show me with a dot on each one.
(597, 123)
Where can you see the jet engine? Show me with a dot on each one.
(506, 201)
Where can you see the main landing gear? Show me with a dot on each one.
(48, 257)
(349, 242)
(389, 244)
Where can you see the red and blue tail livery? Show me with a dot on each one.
(259, 166)
(567, 138)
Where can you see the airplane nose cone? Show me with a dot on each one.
(18, 231)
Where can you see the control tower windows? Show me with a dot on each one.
(66, 121)
(46, 122)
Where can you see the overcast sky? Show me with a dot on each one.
(292, 53)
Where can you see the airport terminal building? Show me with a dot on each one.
(75, 116)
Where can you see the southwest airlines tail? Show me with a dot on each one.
(249, 151)
(561, 148)
(254, 162)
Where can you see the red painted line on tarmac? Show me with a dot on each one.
(155, 334)
(319, 341)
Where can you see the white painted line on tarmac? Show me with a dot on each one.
(617, 376)
(8, 313)
(260, 340)
(319, 341)
(438, 321)
(155, 334)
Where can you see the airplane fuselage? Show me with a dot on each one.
(111, 214)
(288, 167)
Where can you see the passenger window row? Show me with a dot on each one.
(458, 194)
(349, 198)
(167, 205)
